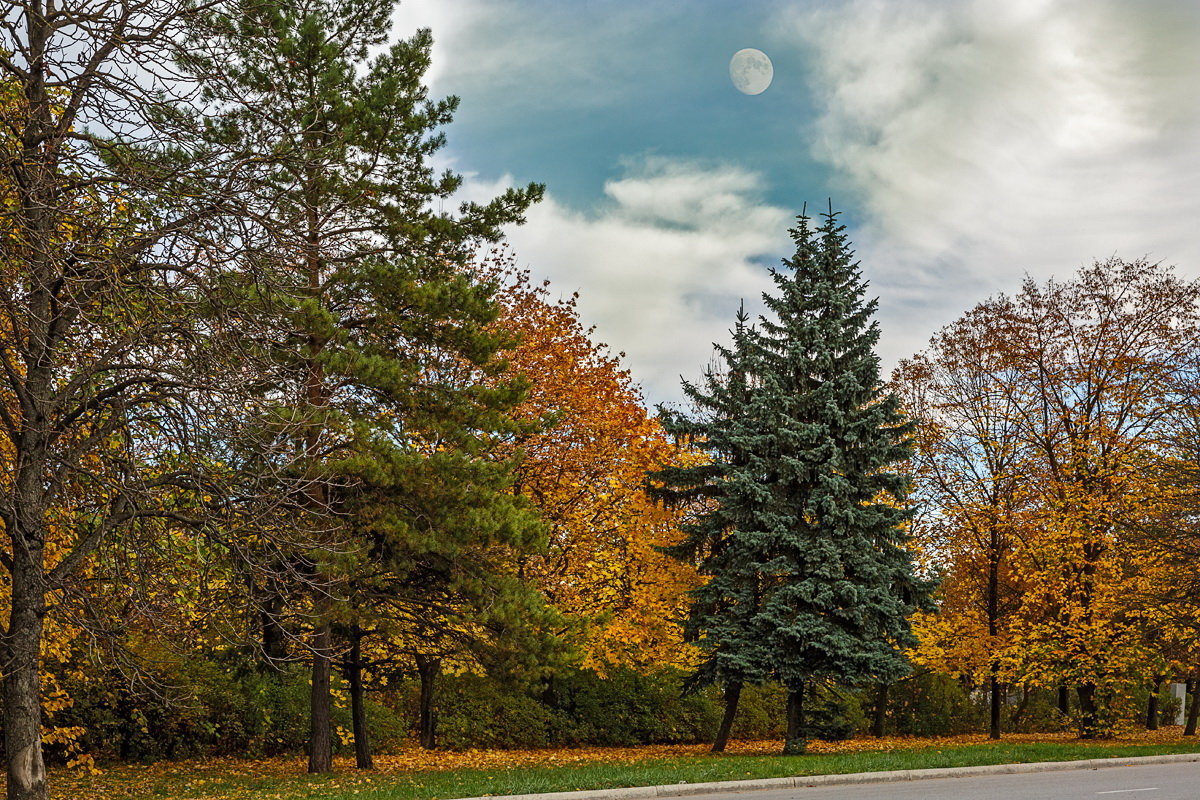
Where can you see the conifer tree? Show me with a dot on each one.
(721, 492)
(828, 532)
(353, 289)
(803, 531)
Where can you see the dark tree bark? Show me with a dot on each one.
(428, 668)
(320, 743)
(879, 713)
(1193, 705)
(274, 638)
(796, 742)
(1088, 711)
(1064, 700)
(358, 712)
(1152, 704)
(733, 692)
(996, 698)
(993, 620)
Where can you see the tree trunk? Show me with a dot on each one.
(796, 742)
(993, 622)
(1152, 704)
(1088, 713)
(358, 714)
(320, 744)
(428, 668)
(1064, 700)
(21, 690)
(733, 692)
(996, 692)
(1193, 709)
(879, 714)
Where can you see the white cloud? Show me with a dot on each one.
(662, 265)
(515, 55)
(989, 138)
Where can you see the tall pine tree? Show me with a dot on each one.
(352, 291)
(810, 508)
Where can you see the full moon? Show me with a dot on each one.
(751, 71)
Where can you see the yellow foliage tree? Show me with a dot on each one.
(584, 468)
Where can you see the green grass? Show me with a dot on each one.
(523, 780)
(702, 769)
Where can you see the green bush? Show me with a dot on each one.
(1033, 711)
(932, 704)
(628, 708)
(218, 706)
(474, 711)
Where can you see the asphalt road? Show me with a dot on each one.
(1143, 782)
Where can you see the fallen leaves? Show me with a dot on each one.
(280, 778)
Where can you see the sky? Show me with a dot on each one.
(966, 143)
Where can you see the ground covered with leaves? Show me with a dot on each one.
(423, 775)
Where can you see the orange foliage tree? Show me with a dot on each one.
(584, 468)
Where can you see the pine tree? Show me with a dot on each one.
(353, 292)
(828, 536)
(722, 493)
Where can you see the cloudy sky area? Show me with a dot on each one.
(967, 142)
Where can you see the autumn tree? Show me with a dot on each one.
(1081, 376)
(110, 198)
(969, 484)
(583, 459)
(354, 276)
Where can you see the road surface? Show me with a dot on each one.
(1143, 782)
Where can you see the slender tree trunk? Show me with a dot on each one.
(1152, 704)
(20, 651)
(1193, 705)
(358, 713)
(320, 743)
(1088, 712)
(879, 713)
(996, 690)
(993, 622)
(796, 743)
(1064, 700)
(733, 692)
(428, 668)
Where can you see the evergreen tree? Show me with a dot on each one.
(352, 290)
(828, 537)
(722, 493)
(803, 523)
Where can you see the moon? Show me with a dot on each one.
(751, 71)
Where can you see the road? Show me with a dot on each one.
(1144, 782)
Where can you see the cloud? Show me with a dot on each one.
(516, 56)
(661, 264)
(984, 139)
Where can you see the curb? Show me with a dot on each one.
(802, 781)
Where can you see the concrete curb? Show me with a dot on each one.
(801, 781)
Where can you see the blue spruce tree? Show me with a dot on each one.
(804, 533)
(828, 536)
(721, 490)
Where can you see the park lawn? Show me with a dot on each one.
(415, 774)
